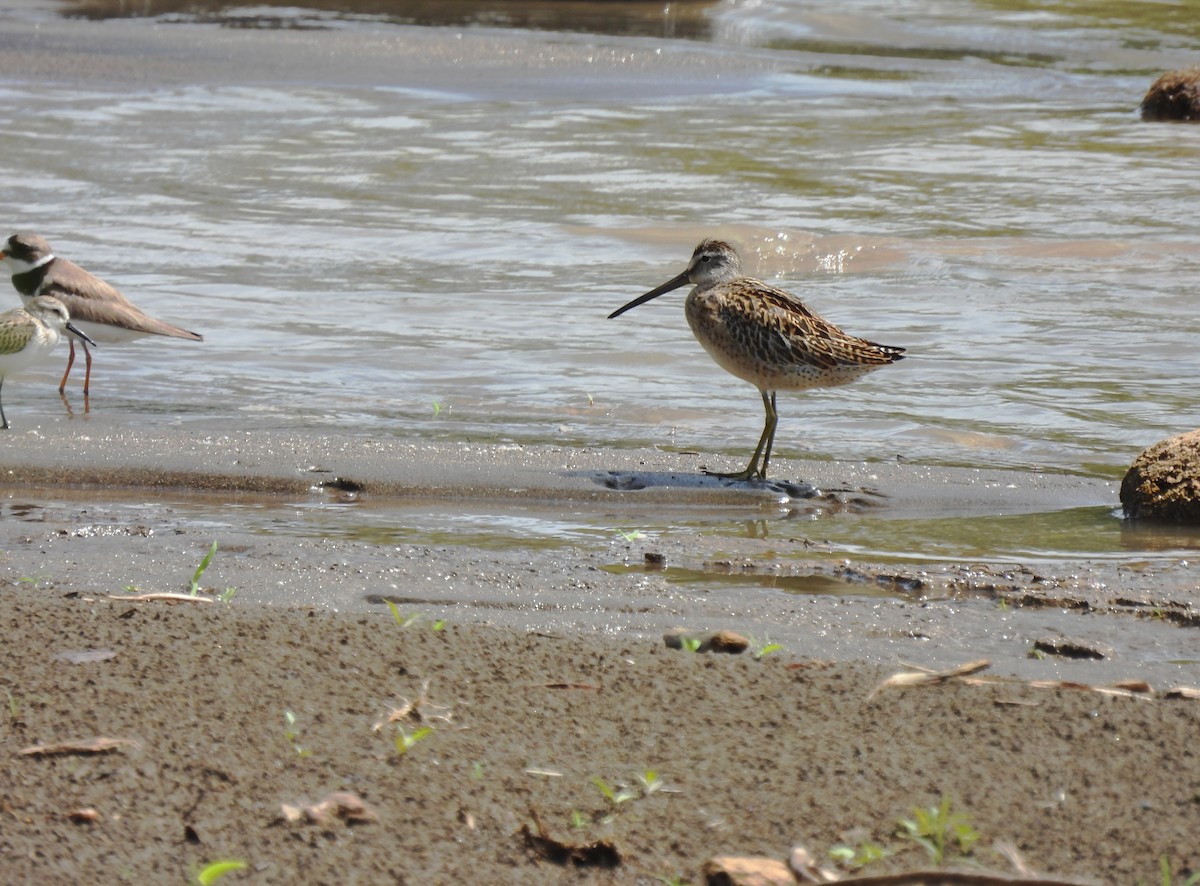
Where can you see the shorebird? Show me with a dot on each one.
(29, 332)
(765, 336)
(96, 308)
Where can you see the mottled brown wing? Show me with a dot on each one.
(791, 334)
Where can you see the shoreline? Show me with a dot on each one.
(526, 538)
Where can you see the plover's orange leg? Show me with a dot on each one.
(87, 379)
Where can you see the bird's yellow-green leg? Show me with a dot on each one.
(763, 449)
(3, 420)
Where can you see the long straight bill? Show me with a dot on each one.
(681, 280)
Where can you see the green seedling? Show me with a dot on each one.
(14, 706)
(855, 857)
(650, 782)
(213, 872)
(292, 734)
(402, 619)
(578, 820)
(631, 535)
(194, 588)
(937, 829)
(691, 644)
(405, 739)
(437, 408)
(763, 649)
(226, 595)
(614, 796)
(677, 880)
(1164, 871)
(440, 624)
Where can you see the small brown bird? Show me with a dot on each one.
(765, 336)
(27, 333)
(96, 308)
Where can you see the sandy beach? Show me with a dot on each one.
(545, 672)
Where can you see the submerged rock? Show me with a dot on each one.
(1174, 96)
(1164, 482)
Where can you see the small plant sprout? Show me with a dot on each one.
(477, 771)
(676, 880)
(1164, 871)
(855, 857)
(292, 734)
(938, 829)
(631, 534)
(651, 783)
(437, 408)
(591, 402)
(402, 619)
(405, 739)
(14, 705)
(194, 587)
(213, 872)
(763, 649)
(614, 796)
(578, 820)
(691, 644)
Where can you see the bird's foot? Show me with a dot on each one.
(752, 472)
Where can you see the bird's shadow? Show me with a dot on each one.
(627, 481)
(836, 499)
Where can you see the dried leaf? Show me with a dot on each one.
(746, 871)
(97, 745)
(1182, 692)
(349, 807)
(164, 595)
(85, 656)
(805, 867)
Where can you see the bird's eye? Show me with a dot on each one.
(706, 258)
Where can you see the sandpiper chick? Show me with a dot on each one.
(96, 308)
(765, 336)
(30, 332)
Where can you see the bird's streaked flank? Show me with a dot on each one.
(29, 333)
(765, 336)
(96, 308)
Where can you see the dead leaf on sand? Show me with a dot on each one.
(749, 871)
(925, 677)
(601, 854)
(85, 656)
(349, 807)
(87, 815)
(98, 745)
(164, 595)
(1182, 692)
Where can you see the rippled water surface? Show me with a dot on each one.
(388, 222)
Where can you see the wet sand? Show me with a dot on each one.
(542, 670)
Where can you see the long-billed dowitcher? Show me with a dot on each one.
(765, 336)
(29, 332)
(95, 307)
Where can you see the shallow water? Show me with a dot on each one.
(429, 248)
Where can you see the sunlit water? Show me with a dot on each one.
(387, 256)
